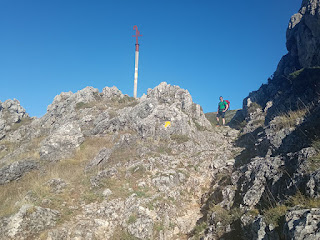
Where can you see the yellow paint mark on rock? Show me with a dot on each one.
(167, 124)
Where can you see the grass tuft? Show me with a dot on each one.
(290, 119)
(179, 138)
(273, 215)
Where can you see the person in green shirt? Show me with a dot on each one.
(222, 108)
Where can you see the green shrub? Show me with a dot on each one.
(199, 229)
(159, 227)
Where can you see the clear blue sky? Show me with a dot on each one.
(211, 48)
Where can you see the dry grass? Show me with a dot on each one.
(22, 122)
(290, 119)
(273, 215)
(303, 201)
(122, 155)
(179, 138)
(122, 234)
(31, 151)
(8, 148)
(118, 186)
(253, 107)
(12, 195)
(102, 104)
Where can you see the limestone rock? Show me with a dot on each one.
(302, 224)
(313, 185)
(57, 185)
(11, 112)
(303, 39)
(27, 222)
(16, 170)
(62, 142)
(101, 158)
(111, 92)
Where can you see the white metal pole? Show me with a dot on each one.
(136, 72)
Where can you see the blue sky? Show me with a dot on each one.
(211, 48)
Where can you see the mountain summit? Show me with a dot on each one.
(103, 165)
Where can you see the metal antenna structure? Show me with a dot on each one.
(135, 87)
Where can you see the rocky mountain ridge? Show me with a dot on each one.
(103, 165)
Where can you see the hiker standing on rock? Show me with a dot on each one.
(222, 108)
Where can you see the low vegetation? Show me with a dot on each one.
(22, 122)
(31, 150)
(253, 107)
(116, 103)
(222, 218)
(290, 119)
(122, 234)
(274, 215)
(310, 72)
(199, 229)
(179, 138)
(33, 187)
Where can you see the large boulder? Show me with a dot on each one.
(16, 170)
(62, 142)
(111, 92)
(11, 112)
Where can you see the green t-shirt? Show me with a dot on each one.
(222, 105)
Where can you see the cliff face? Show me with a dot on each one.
(275, 180)
(303, 39)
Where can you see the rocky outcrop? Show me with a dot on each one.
(280, 134)
(28, 222)
(11, 112)
(302, 224)
(303, 39)
(151, 161)
(62, 142)
(16, 170)
(161, 104)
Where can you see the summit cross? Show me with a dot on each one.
(137, 34)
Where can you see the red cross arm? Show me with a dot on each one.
(137, 33)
